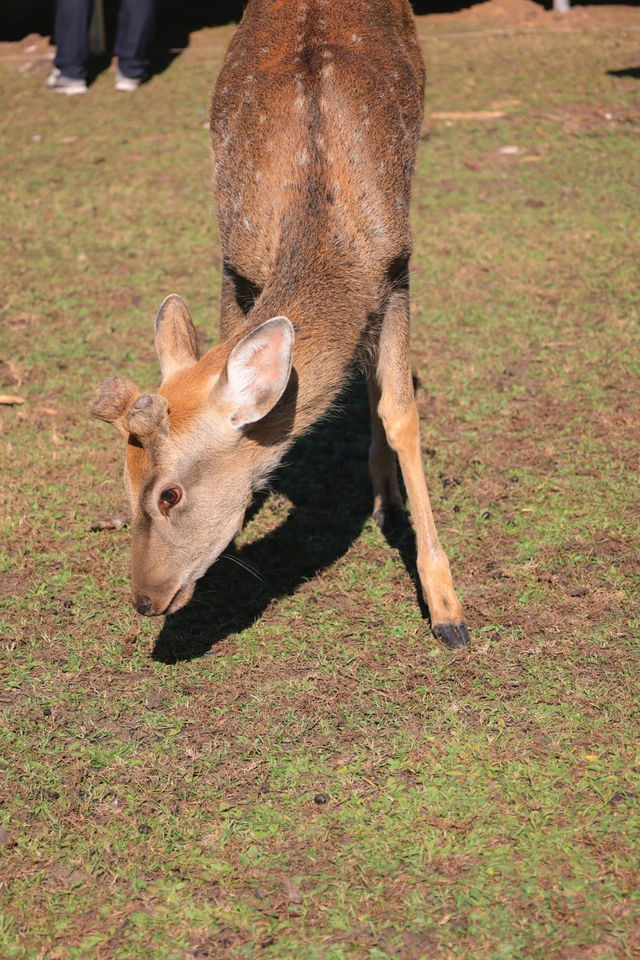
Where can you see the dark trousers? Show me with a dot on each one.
(133, 38)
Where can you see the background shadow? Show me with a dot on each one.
(626, 72)
(176, 20)
(326, 478)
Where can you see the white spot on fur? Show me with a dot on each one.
(355, 38)
(248, 225)
(262, 118)
(303, 157)
(298, 103)
(327, 70)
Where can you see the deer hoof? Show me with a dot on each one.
(452, 634)
(389, 518)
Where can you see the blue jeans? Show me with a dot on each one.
(133, 38)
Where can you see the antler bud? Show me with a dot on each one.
(148, 417)
(113, 399)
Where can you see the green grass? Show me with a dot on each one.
(161, 785)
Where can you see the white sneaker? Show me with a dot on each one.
(60, 84)
(127, 84)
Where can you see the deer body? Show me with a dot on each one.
(314, 121)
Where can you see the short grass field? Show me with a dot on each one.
(293, 767)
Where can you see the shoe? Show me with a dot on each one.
(61, 84)
(127, 84)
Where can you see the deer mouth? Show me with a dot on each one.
(181, 598)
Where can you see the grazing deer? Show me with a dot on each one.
(314, 122)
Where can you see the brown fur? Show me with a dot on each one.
(187, 390)
(314, 124)
(312, 206)
(137, 464)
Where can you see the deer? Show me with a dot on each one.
(315, 119)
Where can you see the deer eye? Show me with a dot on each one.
(168, 498)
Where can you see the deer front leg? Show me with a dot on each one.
(399, 414)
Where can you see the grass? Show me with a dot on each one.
(293, 767)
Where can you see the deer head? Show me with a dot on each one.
(196, 449)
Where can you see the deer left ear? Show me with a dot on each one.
(176, 339)
(258, 371)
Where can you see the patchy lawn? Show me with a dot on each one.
(292, 766)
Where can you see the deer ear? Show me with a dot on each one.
(113, 399)
(257, 371)
(176, 340)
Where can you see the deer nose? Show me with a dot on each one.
(144, 606)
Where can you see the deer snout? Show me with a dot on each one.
(144, 606)
(152, 603)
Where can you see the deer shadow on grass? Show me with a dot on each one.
(626, 72)
(326, 478)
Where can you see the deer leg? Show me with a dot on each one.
(388, 508)
(399, 414)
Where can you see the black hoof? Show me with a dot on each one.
(389, 518)
(452, 634)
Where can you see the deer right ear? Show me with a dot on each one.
(176, 339)
(113, 400)
(257, 372)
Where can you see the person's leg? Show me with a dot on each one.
(134, 36)
(71, 34)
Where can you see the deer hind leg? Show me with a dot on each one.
(399, 414)
(388, 507)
